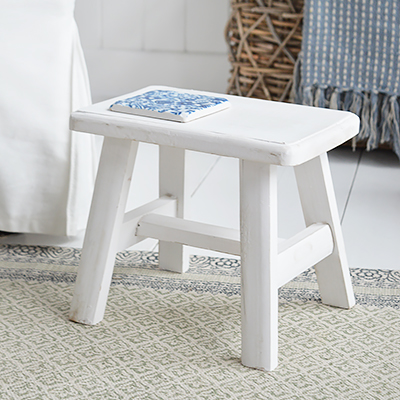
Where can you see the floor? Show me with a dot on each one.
(367, 188)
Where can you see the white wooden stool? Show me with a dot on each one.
(262, 134)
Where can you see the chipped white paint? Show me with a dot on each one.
(259, 248)
(262, 134)
(164, 205)
(317, 197)
(308, 247)
(190, 233)
(251, 129)
(172, 175)
(102, 232)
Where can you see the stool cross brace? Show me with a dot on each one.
(262, 135)
(267, 262)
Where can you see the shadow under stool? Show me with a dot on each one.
(263, 135)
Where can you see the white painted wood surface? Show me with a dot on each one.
(190, 233)
(164, 205)
(259, 242)
(172, 173)
(319, 205)
(295, 255)
(302, 251)
(262, 134)
(103, 229)
(256, 130)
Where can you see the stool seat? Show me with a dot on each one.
(263, 135)
(256, 130)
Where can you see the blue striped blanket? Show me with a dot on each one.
(351, 61)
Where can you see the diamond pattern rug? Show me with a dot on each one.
(171, 336)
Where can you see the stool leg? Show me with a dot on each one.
(173, 256)
(102, 233)
(258, 231)
(318, 201)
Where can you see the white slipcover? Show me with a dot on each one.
(46, 171)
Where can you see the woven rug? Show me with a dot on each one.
(171, 336)
(350, 61)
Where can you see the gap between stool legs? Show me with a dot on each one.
(318, 201)
(259, 251)
(102, 233)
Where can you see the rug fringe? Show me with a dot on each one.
(379, 112)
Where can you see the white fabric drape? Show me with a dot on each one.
(46, 171)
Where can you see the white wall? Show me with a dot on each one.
(129, 44)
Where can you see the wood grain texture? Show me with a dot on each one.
(319, 205)
(102, 233)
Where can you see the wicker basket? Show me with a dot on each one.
(264, 37)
